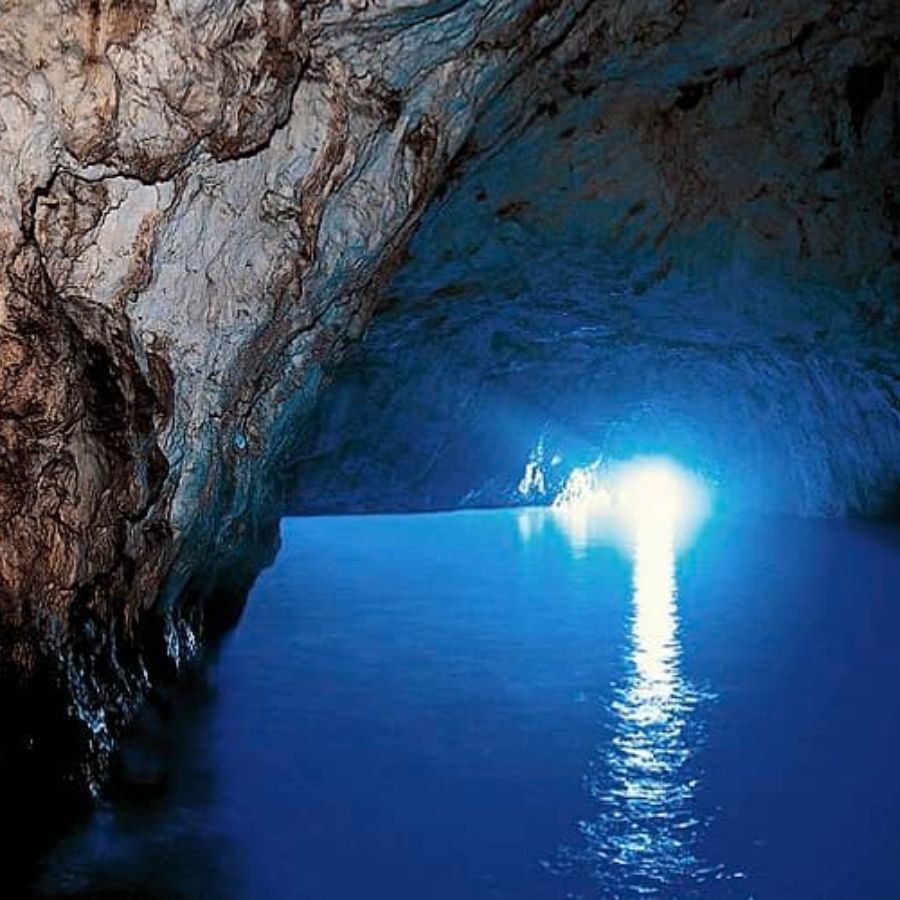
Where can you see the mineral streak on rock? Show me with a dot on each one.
(198, 201)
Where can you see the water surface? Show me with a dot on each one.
(489, 705)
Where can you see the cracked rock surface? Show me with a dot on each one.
(685, 242)
(199, 200)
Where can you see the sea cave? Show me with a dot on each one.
(450, 449)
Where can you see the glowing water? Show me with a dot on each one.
(432, 706)
(645, 831)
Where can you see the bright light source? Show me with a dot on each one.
(585, 490)
(653, 489)
(644, 493)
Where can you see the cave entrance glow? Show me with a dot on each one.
(641, 500)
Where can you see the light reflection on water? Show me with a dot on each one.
(645, 834)
(405, 712)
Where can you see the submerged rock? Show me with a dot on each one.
(199, 201)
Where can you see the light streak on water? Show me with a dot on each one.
(644, 836)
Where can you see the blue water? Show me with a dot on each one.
(483, 705)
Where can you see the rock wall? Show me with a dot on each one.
(196, 202)
(683, 241)
(200, 198)
(553, 363)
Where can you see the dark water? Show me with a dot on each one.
(472, 705)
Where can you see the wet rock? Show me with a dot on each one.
(141, 769)
(197, 202)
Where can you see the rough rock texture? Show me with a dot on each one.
(196, 201)
(199, 198)
(489, 389)
(685, 242)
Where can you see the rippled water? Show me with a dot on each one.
(646, 832)
(492, 705)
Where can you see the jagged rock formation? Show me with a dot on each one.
(686, 245)
(199, 199)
